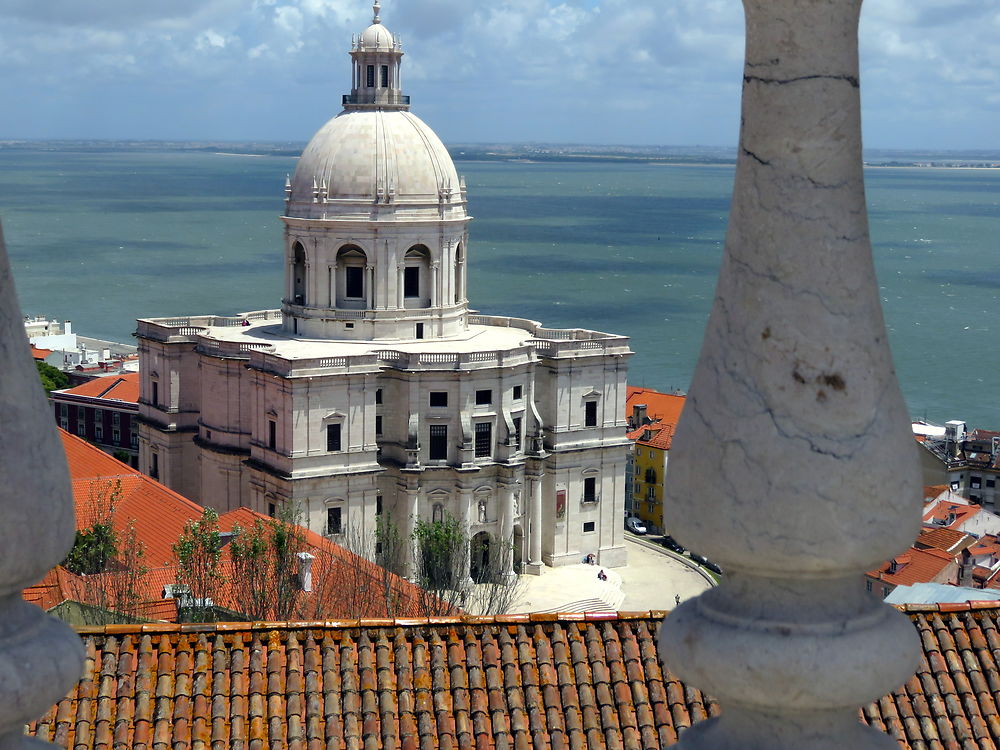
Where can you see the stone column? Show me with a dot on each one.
(400, 270)
(466, 514)
(370, 280)
(507, 489)
(40, 657)
(535, 565)
(435, 284)
(794, 466)
(412, 512)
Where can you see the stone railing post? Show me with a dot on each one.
(40, 657)
(794, 466)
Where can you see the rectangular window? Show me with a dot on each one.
(354, 282)
(154, 465)
(484, 397)
(385, 76)
(64, 423)
(515, 437)
(438, 442)
(271, 510)
(378, 505)
(975, 482)
(98, 431)
(332, 438)
(588, 526)
(370, 76)
(378, 424)
(590, 489)
(333, 524)
(63, 410)
(411, 281)
(134, 440)
(991, 483)
(439, 398)
(378, 395)
(590, 414)
(420, 331)
(484, 439)
(116, 419)
(272, 434)
(81, 428)
(116, 436)
(518, 392)
(156, 393)
(651, 494)
(98, 415)
(868, 585)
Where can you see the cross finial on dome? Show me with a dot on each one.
(376, 7)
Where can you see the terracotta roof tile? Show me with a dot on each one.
(538, 684)
(124, 387)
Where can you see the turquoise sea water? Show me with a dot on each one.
(634, 249)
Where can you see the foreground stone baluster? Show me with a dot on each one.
(793, 465)
(40, 657)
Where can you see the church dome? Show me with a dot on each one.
(372, 156)
(377, 37)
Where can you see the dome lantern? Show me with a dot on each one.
(375, 75)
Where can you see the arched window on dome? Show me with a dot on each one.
(417, 277)
(349, 278)
(298, 274)
(459, 272)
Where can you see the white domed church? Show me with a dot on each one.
(374, 389)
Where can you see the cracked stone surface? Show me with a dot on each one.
(40, 657)
(793, 465)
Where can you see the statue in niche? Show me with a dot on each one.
(482, 511)
(517, 503)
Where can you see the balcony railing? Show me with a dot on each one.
(377, 98)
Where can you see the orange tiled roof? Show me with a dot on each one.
(914, 566)
(38, 353)
(939, 513)
(945, 539)
(660, 407)
(124, 387)
(515, 681)
(159, 516)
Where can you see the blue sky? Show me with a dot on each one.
(578, 71)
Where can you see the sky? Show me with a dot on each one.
(636, 72)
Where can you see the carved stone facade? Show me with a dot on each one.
(374, 390)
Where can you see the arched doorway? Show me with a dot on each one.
(298, 274)
(350, 280)
(479, 558)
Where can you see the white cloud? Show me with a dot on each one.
(541, 64)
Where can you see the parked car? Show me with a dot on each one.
(671, 544)
(635, 525)
(706, 563)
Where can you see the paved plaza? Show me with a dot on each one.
(651, 580)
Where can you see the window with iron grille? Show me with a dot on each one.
(370, 76)
(438, 443)
(484, 439)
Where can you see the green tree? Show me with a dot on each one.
(52, 379)
(265, 567)
(442, 560)
(95, 546)
(199, 553)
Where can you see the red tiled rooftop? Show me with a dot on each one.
(518, 682)
(660, 407)
(38, 353)
(914, 566)
(948, 540)
(939, 513)
(123, 387)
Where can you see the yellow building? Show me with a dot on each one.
(652, 418)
